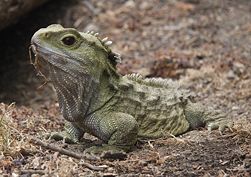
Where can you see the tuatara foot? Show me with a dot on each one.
(107, 152)
(220, 125)
(65, 136)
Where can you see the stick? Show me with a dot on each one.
(177, 139)
(66, 152)
(30, 171)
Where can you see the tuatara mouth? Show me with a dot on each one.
(39, 64)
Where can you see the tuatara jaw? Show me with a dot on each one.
(35, 60)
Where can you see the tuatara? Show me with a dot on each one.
(117, 109)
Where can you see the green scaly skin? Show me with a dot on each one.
(117, 109)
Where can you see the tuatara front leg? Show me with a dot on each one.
(215, 119)
(71, 133)
(118, 131)
(197, 116)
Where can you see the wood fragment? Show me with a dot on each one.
(31, 171)
(68, 153)
(228, 135)
(150, 144)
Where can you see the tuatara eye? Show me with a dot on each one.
(69, 40)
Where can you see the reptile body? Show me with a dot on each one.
(117, 109)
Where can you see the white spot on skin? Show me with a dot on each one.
(107, 43)
(105, 39)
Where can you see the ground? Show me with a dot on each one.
(205, 45)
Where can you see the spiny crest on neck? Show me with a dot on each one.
(112, 56)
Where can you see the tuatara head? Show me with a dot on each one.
(73, 52)
(79, 65)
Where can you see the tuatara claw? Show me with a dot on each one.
(66, 137)
(221, 126)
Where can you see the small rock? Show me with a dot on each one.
(238, 68)
(231, 75)
(14, 174)
(130, 4)
(235, 108)
(35, 175)
(110, 170)
(145, 5)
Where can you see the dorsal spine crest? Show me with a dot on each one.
(154, 82)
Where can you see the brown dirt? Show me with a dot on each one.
(203, 44)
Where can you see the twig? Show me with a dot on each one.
(67, 152)
(30, 171)
(177, 139)
(150, 144)
(228, 135)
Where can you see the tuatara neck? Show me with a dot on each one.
(75, 94)
(81, 96)
(105, 91)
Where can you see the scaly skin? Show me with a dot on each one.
(94, 98)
